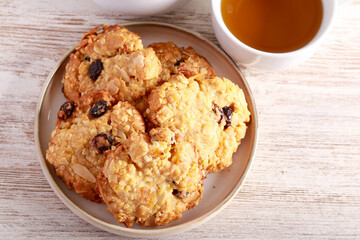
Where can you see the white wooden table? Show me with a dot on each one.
(305, 180)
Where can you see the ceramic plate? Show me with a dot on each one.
(219, 188)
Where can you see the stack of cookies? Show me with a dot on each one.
(143, 126)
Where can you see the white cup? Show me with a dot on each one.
(253, 58)
(140, 7)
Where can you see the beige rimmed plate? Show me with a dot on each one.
(219, 188)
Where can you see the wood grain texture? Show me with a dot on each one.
(305, 180)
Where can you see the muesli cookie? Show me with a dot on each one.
(209, 114)
(145, 180)
(113, 60)
(84, 133)
(176, 59)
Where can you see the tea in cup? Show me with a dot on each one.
(271, 34)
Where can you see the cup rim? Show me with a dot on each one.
(217, 16)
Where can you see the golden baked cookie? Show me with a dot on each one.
(113, 60)
(144, 181)
(176, 59)
(84, 133)
(209, 114)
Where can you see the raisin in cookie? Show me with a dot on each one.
(143, 181)
(179, 60)
(209, 114)
(112, 60)
(84, 133)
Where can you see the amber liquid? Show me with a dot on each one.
(276, 26)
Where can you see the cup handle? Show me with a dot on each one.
(341, 2)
